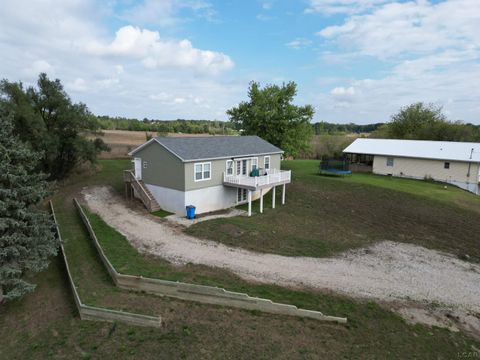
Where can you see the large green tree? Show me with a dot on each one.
(46, 118)
(421, 121)
(27, 238)
(271, 115)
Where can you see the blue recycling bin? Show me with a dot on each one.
(190, 212)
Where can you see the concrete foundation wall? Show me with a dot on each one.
(211, 199)
(169, 199)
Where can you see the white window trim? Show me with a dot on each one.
(233, 167)
(251, 162)
(393, 161)
(203, 171)
(242, 201)
(239, 171)
(269, 162)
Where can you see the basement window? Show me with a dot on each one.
(389, 161)
(446, 165)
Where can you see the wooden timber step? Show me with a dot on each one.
(153, 206)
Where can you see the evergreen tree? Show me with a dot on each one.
(27, 238)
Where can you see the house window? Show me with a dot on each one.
(145, 164)
(266, 162)
(389, 161)
(254, 163)
(241, 195)
(229, 168)
(446, 165)
(202, 171)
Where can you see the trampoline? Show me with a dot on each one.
(334, 167)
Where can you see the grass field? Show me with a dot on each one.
(44, 324)
(327, 215)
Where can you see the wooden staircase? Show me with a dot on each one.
(138, 187)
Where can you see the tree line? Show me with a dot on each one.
(326, 128)
(212, 127)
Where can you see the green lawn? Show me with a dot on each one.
(161, 213)
(45, 325)
(326, 215)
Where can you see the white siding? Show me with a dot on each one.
(457, 174)
(211, 199)
(169, 199)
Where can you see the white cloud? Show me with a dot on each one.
(331, 7)
(427, 52)
(343, 91)
(113, 79)
(411, 27)
(155, 52)
(172, 99)
(78, 84)
(38, 66)
(343, 96)
(299, 43)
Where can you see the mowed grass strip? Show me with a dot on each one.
(327, 215)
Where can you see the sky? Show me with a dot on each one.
(353, 60)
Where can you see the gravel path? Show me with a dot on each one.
(386, 271)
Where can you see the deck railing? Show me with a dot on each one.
(274, 177)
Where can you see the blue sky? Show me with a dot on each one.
(353, 60)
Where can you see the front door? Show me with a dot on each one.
(138, 168)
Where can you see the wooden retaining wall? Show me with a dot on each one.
(198, 293)
(96, 313)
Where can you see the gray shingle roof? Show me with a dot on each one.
(213, 147)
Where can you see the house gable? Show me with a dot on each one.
(160, 167)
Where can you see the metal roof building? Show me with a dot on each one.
(456, 163)
(440, 150)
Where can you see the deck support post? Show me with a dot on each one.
(283, 194)
(249, 202)
(261, 201)
(273, 197)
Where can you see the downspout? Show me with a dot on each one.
(470, 164)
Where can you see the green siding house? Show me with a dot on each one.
(210, 173)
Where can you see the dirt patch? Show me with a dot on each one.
(439, 316)
(386, 271)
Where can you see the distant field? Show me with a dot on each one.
(123, 141)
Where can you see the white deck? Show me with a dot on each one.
(274, 178)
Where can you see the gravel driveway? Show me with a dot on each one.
(386, 271)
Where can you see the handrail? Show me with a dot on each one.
(138, 183)
(275, 176)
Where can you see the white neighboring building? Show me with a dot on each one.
(456, 163)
